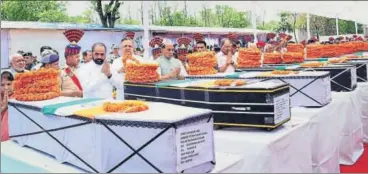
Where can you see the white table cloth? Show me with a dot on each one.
(338, 132)
(283, 150)
(18, 159)
(362, 98)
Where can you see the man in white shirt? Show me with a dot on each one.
(226, 58)
(117, 68)
(17, 64)
(96, 78)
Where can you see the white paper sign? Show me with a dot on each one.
(194, 145)
(282, 108)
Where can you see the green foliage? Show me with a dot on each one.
(221, 16)
(346, 27)
(128, 21)
(301, 21)
(285, 24)
(43, 11)
(271, 25)
(360, 28)
(46, 11)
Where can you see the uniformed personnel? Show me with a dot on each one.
(70, 84)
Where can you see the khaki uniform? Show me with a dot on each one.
(67, 83)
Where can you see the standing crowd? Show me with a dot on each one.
(98, 75)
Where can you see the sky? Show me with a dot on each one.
(75, 8)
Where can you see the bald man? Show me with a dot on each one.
(171, 68)
(226, 58)
(17, 64)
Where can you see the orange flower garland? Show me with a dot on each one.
(314, 51)
(295, 47)
(128, 56)
(364, 46)
(293, 57)
(337, 60)
(312, 64)
(128, 106)
(249, 57)
(202, 63)
(328, 50)
(272, 58)
(283, 72)
(43, 84)
(141, 72)
(229, 82)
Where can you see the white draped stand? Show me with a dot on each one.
(315, 140)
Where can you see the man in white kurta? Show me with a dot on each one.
(225, 58)
(118, 67)
(96, 77)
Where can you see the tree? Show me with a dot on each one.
(271, 25)
(128, 21)
(45, 11)
(108, 13)
(360, 28)
(285, 24)
(294, 18)
(317, 24)
(346, 27)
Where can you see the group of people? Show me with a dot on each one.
(97, 76)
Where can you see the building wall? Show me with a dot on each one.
(4, 48)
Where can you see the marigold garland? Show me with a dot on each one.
(297, 47)
(312, 64)
(249, 57)
(314, 51)
(128, 106)
(337, 60)
(293, 57)
(202, 63)
(141, 72)
(272, 58)
(335, 50)
(128, 56)
(229, 82)
(283, 72)
(43, 84)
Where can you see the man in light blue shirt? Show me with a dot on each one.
(171, 68)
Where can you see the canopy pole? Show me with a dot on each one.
(356, 27)
(254, 21)
(146, 25)
(337, 27)
(308, 27)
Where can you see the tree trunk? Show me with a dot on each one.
(101, 14)
(115, 13)
(185, 9)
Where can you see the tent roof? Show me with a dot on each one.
(204, 30)
(63, 26)
(169, 29)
